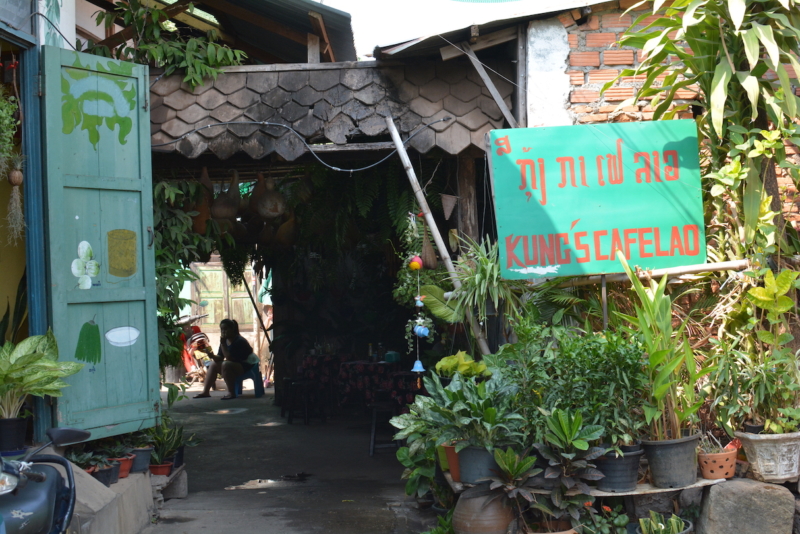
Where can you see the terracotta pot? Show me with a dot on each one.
(161, 469)
(125, 465)
(484, 514)
(718, 465)
(271, 203)
(91, 469)
(452, 462)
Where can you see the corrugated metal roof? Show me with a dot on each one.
(292, 14)
(430, 44)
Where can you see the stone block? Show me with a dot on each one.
(745, 506)
(424, 107)
(454, 139)
(690, 497)
(211, 99)
(262, 82)
(165, 85)
(434, 90)
(178, 487)
(355, 79)
(258, 145)
(322, 80)
(457, 107)
(658, 502)
(465, 90)
(307, 96)
(179, 100)
(421, 73)
(452, 71)
(370, 95)
(229, 82)
(192, 146)
(293, 81)
(244, 98)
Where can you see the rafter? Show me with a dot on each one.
(258, 20)
(318, 24)
(192, 21)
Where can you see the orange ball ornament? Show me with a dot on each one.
(415, 264)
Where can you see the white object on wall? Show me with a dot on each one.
(548, 81)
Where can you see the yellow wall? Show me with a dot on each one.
(12, 258)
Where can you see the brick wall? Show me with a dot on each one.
(595, 59)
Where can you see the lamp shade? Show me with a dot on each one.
(417, 367)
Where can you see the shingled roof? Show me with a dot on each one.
(326, 103)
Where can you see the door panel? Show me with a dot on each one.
(101, 263)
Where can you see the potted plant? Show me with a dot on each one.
(104, 469)
(29, 368)
(141, 446)
(656, 524)
(672, 374)
(771, 383)
(117, 451)
(715, 460)
(567, 449)
(608, 521)
(82, 459)
(477, 416)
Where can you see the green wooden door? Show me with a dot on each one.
(101, 267)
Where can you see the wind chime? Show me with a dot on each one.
(420, 330)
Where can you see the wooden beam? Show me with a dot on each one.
(127, 33)
(313, 48)
(467, 198)
(351, 147)
(489, 84)
(521, 90)
(256, 53)
(318, 24)
(487, 41)
(258, 20)
(734, 265)
(437, 237)
(192, 20)
(474, 33)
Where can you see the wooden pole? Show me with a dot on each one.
(735, 265)
(437, 237)
(604, 297)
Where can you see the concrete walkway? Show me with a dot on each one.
(246, 440)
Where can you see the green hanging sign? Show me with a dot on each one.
(567, 198)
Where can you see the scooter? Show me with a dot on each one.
(34, 498)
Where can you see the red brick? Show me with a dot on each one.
(616, 94)
(582, 95)
(647, 116)
(790, 71)
(602, 75)
(688, 115)
(618, 57)
(596, 117)
(582, 109)
(616, 20)
(592, 24)
(612, 109)
(627, 4)
(673, 35)
(576, 77)
(649, 20)
(573, 40)
(594, 40)
(624, 117)
(605, 6)
(584, 59)
(566, 19)
(640, 56)
(686, 94)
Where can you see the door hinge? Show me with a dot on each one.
(38, 84)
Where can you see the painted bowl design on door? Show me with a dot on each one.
(122, 336)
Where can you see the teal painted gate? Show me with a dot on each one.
(101, 267)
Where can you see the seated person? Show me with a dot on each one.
(232, 360)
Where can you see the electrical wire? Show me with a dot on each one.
(302, 140)
(56, 28)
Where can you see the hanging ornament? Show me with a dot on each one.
(415, 264)
(448, 203)
(15, 218)
(418, 301)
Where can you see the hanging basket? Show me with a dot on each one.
(428, 255)
(448, 204)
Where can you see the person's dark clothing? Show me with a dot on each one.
(238, 352)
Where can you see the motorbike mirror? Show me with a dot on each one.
(66, 436)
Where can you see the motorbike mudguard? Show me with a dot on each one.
(31, 510)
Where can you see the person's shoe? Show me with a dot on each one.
(201, 396)
(229, 397)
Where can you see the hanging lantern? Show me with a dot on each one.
(415, 264)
